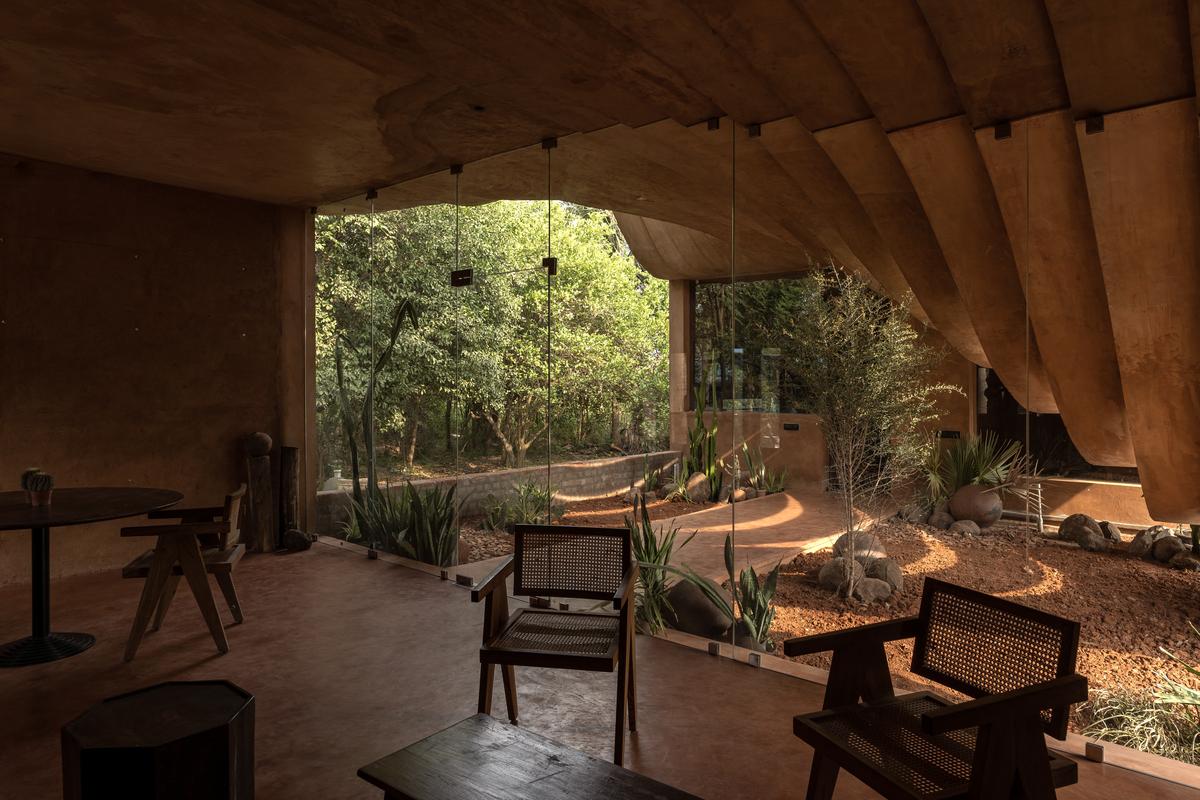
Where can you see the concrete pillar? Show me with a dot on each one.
(296, 257)
(681, 295)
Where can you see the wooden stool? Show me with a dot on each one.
(178, 740)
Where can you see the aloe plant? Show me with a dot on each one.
(652, 549)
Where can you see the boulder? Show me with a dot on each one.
(698, 490)
(941, 519)
(1078, 527)
(1111, 532)
(1185, 560)
(886, 569)
(296, 540)
(866, 545)
(725, 493)
(1093, 542)
(692, 612)
(1143, 543)
(664, 490)
(978, 504)
(870, 590)
(833, 575)
(965, 527)
(1168, 547)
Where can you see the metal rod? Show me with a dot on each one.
(40, 565)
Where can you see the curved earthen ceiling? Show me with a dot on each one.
(940, 148)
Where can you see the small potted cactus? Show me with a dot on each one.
(38, 485)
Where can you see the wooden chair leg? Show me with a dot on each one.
(225, 581)
(160, 569)
(509, 674)
(487, 674)
(822, 778)
(193, 569)
(632, 680)
(164, 602)
(622, 686)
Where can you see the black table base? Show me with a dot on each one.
(40, 649)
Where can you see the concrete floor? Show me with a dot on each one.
(351, 659)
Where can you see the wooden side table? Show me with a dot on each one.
(483, 757)
(183, 740)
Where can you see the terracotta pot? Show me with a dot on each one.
(40, 499)
(977, 504)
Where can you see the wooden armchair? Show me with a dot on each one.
(205, 541)
(1017, 662)
(562, 561)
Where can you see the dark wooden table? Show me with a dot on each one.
(68, 507)
(482, 758)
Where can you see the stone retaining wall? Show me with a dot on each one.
(576, 480)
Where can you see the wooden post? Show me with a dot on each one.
(289, 490)
(260, 498)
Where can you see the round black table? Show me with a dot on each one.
(68, 507)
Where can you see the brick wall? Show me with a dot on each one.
(576, 480)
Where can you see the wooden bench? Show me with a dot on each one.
(482, 757)
(1017, 662)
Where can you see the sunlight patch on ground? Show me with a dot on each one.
(937, 556)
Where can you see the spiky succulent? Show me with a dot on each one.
(34, 480)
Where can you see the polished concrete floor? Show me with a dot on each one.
(351, 659)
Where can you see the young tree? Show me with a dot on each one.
(867, 375)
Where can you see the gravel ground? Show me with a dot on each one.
(605, 511)
(1128, 608)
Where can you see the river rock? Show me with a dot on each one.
(698, 490)
(866, 545)
(692, 612)
(1111, 532)
(965, 527)
(833, 574)
(886, 569)
(1077, 527)
(1143, 543)
(296, 540)
(978, 504)
(1185, 560)
(941, 519)
(1168, 547)
(870, 590)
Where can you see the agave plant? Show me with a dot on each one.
(762, 477)
(653, 550)
(377, 518)
(532, 503)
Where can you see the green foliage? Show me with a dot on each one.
(1141, 721)
(652, 549)
(650, 477)
(1165, 722)
(471, 379)
(760, 476)
(753, 596)
(1172, 692)
(867, 375)
(975, 461)
(417, 524)
(431, 535)
(530, 503)
(701, 455)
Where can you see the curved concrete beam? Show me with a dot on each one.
(945, 168)
(798, 154)
(1038, 178)
(862, 154)
(1143, 180)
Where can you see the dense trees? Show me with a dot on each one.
(468, 368)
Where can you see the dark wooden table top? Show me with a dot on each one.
(71, 506)
(159, 714)
(482, 758)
